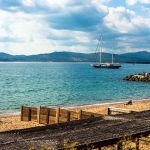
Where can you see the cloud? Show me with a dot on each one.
(25, 33)
(119, 19)
(20, 29)
(22, 26)
(131, 31)
(28, 3)
(133, 2)
(80, 18)
(124, 20)
(29, 32)
(42, 26)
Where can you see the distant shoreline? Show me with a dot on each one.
(66, 56)
(79, 62)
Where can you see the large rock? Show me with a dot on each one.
(144, 77)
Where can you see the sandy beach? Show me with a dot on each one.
(13, 122)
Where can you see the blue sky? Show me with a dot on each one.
(43, 26)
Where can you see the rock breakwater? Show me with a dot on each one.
(143, 77)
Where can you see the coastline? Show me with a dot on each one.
(17, 112)
(74, 107)
(11, 122)
(103, 103)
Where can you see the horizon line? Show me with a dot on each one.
(72, 52)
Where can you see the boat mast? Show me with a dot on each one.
(112, 58)
(100, 53)
(112, 54)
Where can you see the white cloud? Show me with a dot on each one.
(119, 19)
(39, 47)
(33, 35)
(26, 29)
(145, 10)
(47, 3)
(133, 2)
(21, 26)
(124, 20)
(28, 3)
(100, 1)
(43, 26)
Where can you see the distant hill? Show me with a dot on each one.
(142, 56)
(137, 57)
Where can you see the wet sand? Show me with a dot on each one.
(13, 122)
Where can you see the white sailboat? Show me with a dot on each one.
(111, 65)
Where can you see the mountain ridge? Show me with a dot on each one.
(64, 56)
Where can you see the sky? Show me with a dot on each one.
(44, 26)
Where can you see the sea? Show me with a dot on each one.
(67, 84)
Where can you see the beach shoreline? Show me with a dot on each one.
(104, 103)
(11, 122)
(80, 106)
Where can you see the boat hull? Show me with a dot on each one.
(107, 67)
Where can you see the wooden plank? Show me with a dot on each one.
(73, 115)
(98, 115)
(52, 120)
(33, 114)
(63, 113)
(64, 116)
(21, 113)
(80, 115)
(86, 115)
(43, 115)
(38, 114)
(137, 144)
(57, 115)
(52, 112)
(119, 110)
(52, 115)
(62, 120)
(109, 111)
(120, 146)
(26, 113)
(68, 116)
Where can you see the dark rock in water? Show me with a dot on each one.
(143, 77)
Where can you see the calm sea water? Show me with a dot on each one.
(65, 84)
